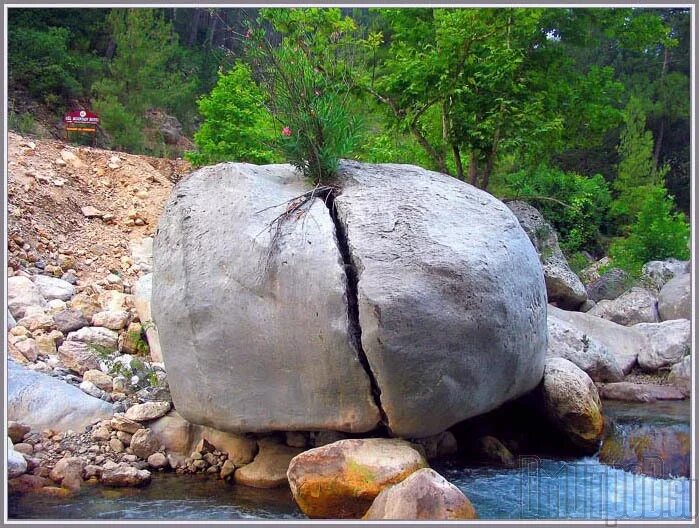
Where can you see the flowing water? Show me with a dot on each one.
(541, 488)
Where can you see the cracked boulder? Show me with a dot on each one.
(405, 297)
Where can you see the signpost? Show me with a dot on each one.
(81, 122)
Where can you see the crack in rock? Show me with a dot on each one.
(352, 293)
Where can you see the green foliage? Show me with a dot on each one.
(308, 85)
(23, 123)
(658, 233)
(237, 126)
(140, 344)
(125, 127)
(586, 200)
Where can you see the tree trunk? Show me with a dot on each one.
(433, 153)
(457, 161)
(213, 22)
(194, 30)
(485, 180)
(111, 48)
(473, 169)
(661, 133)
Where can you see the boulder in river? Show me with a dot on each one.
(341, 480)
(572, 403)
(637, 305)
(419, 317)
(124, 475)
(269, 468)
(675, 299)
(424, 495)
(43, 402)
(563, 286)
(681, 375)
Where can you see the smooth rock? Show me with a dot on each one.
(639, 392)
(69, 320)
(99, 378)
(28, 349)
(111, 320)
(86, 304)
(125, 475)
(24, 449)
(68, 472)
(52, 288)
(563, 286)
(16, 464)
(22, 293)
(623, 342)
(227, 469)
(463, 302)
(78, 356)
(44, 402)
(143, 412)
(122, 423)
(675, 299)
(609, 285)
(144, 443)
(95, 335)
(572, 403)
(424, 495)
(637, 305)
(174, 433)
(439, 445)
(90, 388)
(567, 341)
(240, 449)
(670, 341)
(26, 483)
(681, 375)
(269, 468)
(157, 461)
(17, 430)
(495, 451)
(341, 480)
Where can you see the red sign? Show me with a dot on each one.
(81, 116)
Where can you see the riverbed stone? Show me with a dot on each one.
(669, 342)
(424, 495)
(143, 412)
(158, 461)
(269, 468)
(28, 348)
(69, 320)
(52, 288)
(572, 403)
(26, 483)
(341, 480)
(44, 402)
(567, 341)
(658, 272)
(99, 378)
(638, 305)
(563, 287)
(681, 375)
(124, 475)
(241, 449)
(122, 423)
(17, 430)
(623, 342)
(95, 336)
(112, 320)
(22, 293)
(16, 464)
(437, 446)
(675, 298)
(609, 285)
(144, 443)
(36, 320)
(639, 392)
(78, 356)
(68, 472)
(87, 304)
(455, 298)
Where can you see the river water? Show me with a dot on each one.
(539, 488)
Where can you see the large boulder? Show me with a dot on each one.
(269, 468)
(637, 305)
(567, 341)
(563, 286)
(610, 285)
(21, 294)
(669, 342)
(424, 495)
(572, 403)
(420, 317)
(52, 288)
(681, 375)
(44, 402)
(341, 480)
(675, 299)
(657, 273)
(623, 342)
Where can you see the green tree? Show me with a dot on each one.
(236, 126)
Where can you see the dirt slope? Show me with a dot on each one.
(49, 184)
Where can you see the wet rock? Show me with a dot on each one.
(563, 287)
(144, 412)
(424, 495)
(52, 288)
(567, 341)
(68, 472)
(675, 299)
(669, 341)
(269, 468)
(26, 484)
(124, 475)
(341, 480)
(439, 445)
(21, 294)
(637, 305)
(495, 451)
(572, 403)
(639, 392)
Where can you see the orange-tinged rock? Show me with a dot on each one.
(342, 479)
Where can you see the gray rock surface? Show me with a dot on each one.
(52, 288)
(563, 286)
(681, 375)
(675, 299)
(69, 320)
(669, 342)
(638, 305)
(11, 323)
(567, 341)
(43, 402)
(452, 311)
(143, 291)
(608, 286)
(658, 272)
(16, 464)
(639, 392)
(623, 342)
